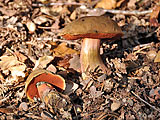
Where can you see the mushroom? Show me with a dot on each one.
(49, 81)
(91, 29)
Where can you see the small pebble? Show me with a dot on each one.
(31, 26)
(23, 106)
(151, 54)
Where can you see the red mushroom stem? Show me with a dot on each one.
(90, 55)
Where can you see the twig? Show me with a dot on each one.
(125, 12)
(139, 50)
(145, 101)
(33, 116)
(100, 10)
(45, 27)
(54, 4)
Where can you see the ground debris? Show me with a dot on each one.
(29, 40)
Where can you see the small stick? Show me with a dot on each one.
(145, 101)
(56, 4)
(84, 8)
(125, 12)
(33, 116)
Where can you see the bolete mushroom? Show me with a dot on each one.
(91, 29)
(43, 76)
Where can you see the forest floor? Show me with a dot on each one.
(29, 40)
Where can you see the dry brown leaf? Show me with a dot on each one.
(43, 61)
(63, 50)
(154, 16)
(120, 2)
(94, 93)
(70, 87)
(56, 24)
(64, 62)
(106, 4)
(115, 105)
(131, 4)
(18, 70)
(10, 63)
(73, 15)
(75, 63)
(40, 20)
(20, 56)
(132, 57)
(157, 59)
(52, 68)
(8, 12)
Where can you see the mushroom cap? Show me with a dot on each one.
(97, 27)
(42, 76)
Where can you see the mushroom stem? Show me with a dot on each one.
(90, 55)
(44, 90)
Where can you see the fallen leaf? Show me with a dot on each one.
(63, 50)
(132, 4)
(157, 59)
(12, 20)
(115, 105)
(52, 68)
(64, 62)
(119, 3)
(43, 61)
(10, 63)
(75, 63)
(102, 78)
(56, 24)
(73, 15)
(40, 20)
(94, 93)
(70, 87)
(18, 70)
(7, 12)
(20, 56)
(154, 16)
(106, 4)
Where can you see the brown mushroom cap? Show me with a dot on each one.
(96, 27)
(42, 76)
